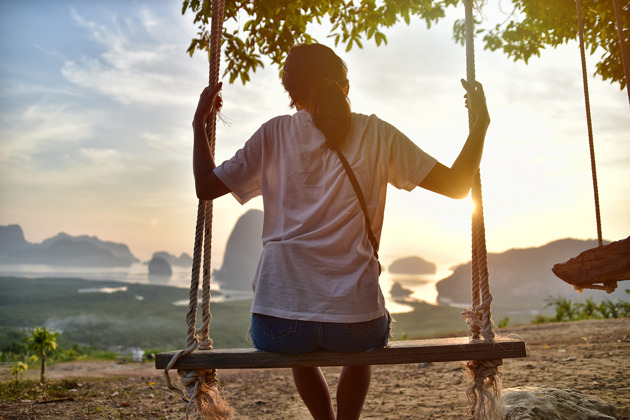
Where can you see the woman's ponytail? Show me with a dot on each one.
(314, 74)
(331, 111)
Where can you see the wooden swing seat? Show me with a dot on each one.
(397, 352)
(606, 264)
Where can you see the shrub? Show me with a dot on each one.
(573, 311)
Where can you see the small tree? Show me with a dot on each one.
(40, 341)
(17, 369)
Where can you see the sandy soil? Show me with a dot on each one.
(592, 357)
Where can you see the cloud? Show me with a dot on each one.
(38, 130)
(174, 144)
(407, 67)
(20, 88)
(135, 62)
(104, 159)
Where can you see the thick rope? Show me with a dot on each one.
(192, 340)
(214, 60)
(485, 385)
(589, 124)
(202, 386)
(478, 317)
(622, 45)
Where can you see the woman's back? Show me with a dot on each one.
(316, 248)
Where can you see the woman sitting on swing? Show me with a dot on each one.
(316, 286)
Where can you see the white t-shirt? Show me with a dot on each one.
(317, 263)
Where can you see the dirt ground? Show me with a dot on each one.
(592, 357)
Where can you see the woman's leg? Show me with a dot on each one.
(353, 387)
(313, 388)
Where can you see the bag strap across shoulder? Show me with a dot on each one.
(359, 193)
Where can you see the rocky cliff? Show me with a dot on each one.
(62, 250)
(242, 253)
(411, 265)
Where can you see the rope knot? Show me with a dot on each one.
(206, 344)
(194, 380)
(474, 322)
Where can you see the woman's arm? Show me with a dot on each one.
(207, 185)
(455, 182)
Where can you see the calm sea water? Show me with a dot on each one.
(421, 287)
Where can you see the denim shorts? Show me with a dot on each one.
(290, 336)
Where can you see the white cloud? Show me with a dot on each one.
(142, 61)
(174, 144)
(20, 88)
(40, 129)
(103, 159)
(126, 86)
(151, 22)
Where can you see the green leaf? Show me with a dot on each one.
(349, 46)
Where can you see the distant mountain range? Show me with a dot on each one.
(518, 277)
(62, 250)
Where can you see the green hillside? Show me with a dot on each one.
(140, 315)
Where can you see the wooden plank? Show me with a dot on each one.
(398, 352)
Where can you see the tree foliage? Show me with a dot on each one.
(271, 27)
(534, 25)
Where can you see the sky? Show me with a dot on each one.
(97, 100)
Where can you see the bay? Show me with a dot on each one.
(421, 288)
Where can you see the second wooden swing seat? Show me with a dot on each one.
(602, 267)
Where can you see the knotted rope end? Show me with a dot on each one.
(485, 388)
(204, 395)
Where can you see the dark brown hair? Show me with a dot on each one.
(314, 74)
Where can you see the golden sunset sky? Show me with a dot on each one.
(98, 98)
